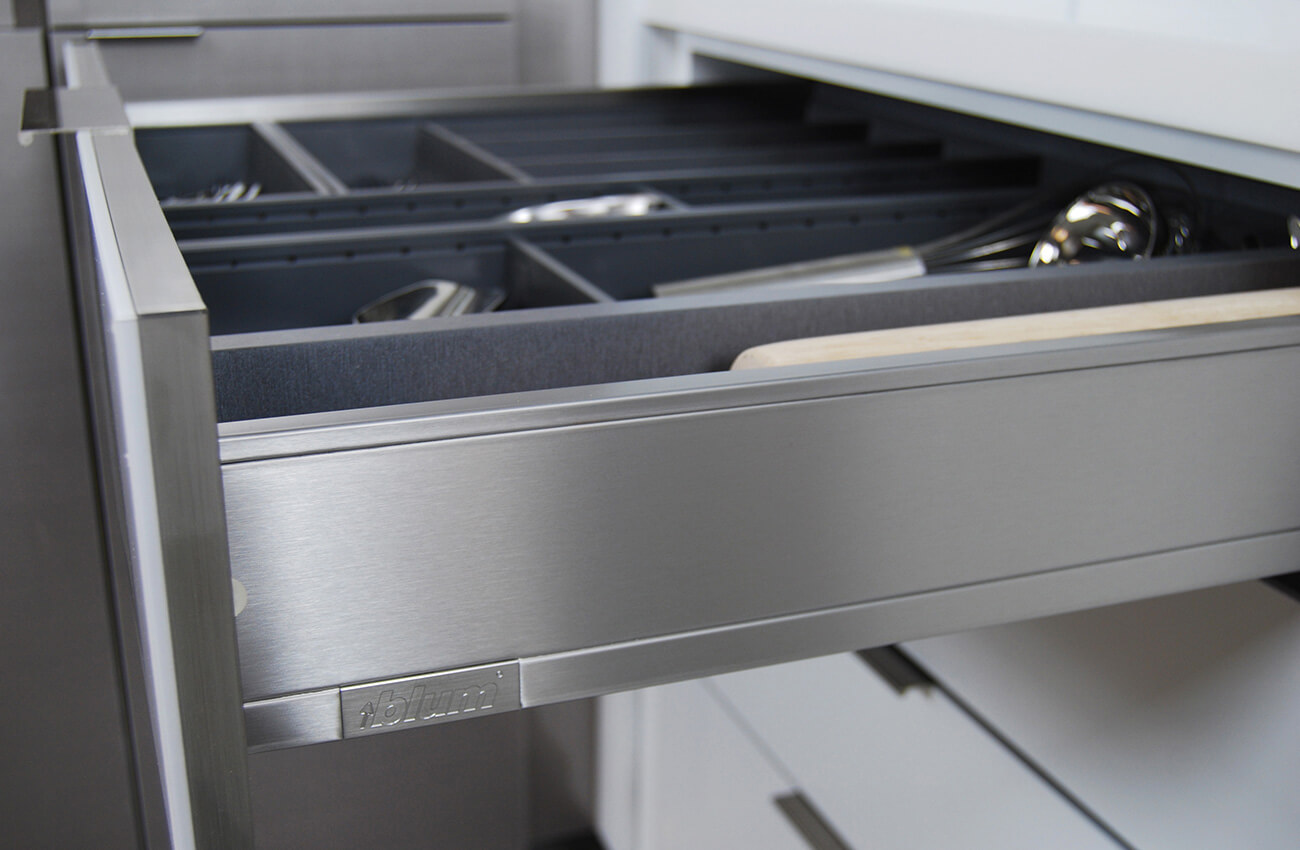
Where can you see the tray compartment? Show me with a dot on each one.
(625, 259)
(715, 187)
(847, 180)
(646, 110)
(397, 154)
(186, 164)
(267, 284)
(643, 162)
(647, 141)
(247, 297)
(380, 209)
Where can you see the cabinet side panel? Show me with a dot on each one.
(67, 779)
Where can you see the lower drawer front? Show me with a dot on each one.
(900, 770)
(1174, 719)
(699, 780)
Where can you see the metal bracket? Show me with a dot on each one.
(293, 721)
(47, 112)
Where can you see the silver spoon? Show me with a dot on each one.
(1116, 219)
(637, 204)
(1112, 220)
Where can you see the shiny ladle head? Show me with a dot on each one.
(1112, 220)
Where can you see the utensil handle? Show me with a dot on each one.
(889, 264)
(1124, 318)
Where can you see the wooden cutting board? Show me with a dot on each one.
(1122, 318)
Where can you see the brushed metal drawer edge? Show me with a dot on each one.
(408, 702)
(599, 670)
(293, 721)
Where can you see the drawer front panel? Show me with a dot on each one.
(123, 12)
(405, 559)
(704, 783)
(299, 59)
(1173, 719)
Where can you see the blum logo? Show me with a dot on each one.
(423, 700)
(421, 703)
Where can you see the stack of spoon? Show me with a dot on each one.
(1116, 219)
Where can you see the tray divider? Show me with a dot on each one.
(321, 180)
(463, 154)
(646, 165)
(538, 269)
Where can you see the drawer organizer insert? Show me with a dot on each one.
(737, 178)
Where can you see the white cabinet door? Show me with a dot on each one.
(1174, 719)
(908, 770)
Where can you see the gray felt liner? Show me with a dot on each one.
(320, 369)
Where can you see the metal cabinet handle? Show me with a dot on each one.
(143, 33)
(898, 670)
(809, 823)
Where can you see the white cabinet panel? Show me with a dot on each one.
(1174, 719)
(1230, 87)
(698, 781)
(1042, 10)
(909, 770)
(1270, 24)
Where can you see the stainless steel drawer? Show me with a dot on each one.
(442, 518)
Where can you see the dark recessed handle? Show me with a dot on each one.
(144, 33)
(1288, 584)
(892, 665)
(809, 823)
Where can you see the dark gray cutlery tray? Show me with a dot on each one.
(752, 177)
